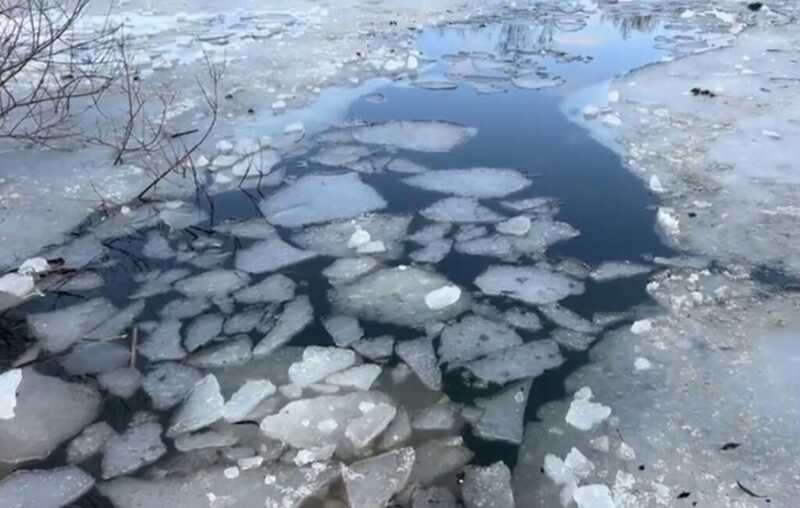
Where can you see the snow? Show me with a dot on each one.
(270, 255)
(298, 203)
(127, 452)
(303, 423)
(443, 297)
(527, 360)
(202, 330)
(584, 414)
(212, 283)
(345, 330)
(48, 411)
(642, 363)
(475, 337)
(296, 316)
(276, 288)
(34, 266)
(246, 399)
(89, 443)
(396, 295)
(9, 383)
(460, 210)
(168, 383)
(535, 285)
(420, 356)
(360, 378)
(502, 417)
(473, 182)
(487, 487)
(593, 496)
(371, 483)
(202, 407)
(612, 270)
(44, 488)
(642, 326)
(236, 351)
(318, 363)
(668, 221)
(421, 136)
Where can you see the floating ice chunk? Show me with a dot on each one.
(574, 341)
(270, 255)
(202, 330)
(626, 452)
(258, 229)
(438, 457)
(537, 82)
(522, 320)
(230, 353)
(9, 383)
(17, 286)
(593, 496)
(127, 452)
(206, 439)
(601, 444)
(341, 155)
(375, 348)
(349, 269)
(122, 382)
(276, 485)
(40, 488)
(668, 221)
(276, 288)
(405, 166)
(361, 377)
(58, 330)
(527, 360)
(433, 497)
(302, 423)
(337, 238)
(182, 218)
(34, 266)
(584, 414)
(212, 283)
(318, 363)
(299, 203)
(443, 297)
(612, 119)
(157, 282)
(246, 399)
(396, 295)
(168, 383)
(322, 453)
(536, 285)
(398, 432)
(641, 326)
(439, 416)
(376, 417)
(48, 411)
(202, 407)
(95, 358)
(460, 210)
(590, 112)
(372, 482)
(567, 319)
(557, 471)
(488, 486)
(296, 316)
(157, 247)
(419, 355)
(344, 329)
(613, 96)
(578, 463)
(473, 182)
(517, 226)
(163, 343)
(612, 270)
(474, 337)
(89, 442)
(642, 363)
(422, 136)
(503, 415)
(433, 252)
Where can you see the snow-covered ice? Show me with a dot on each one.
(583, 414)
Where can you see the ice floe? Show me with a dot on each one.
(344, 329)
(527, 360)
(488, 486)
(536, 285)
(472, 182)
(420, 356)
(270, 255)
(9, 383)
(371, 483)
(44, 488)
(420, 136)
(502, 415)
(460, 210)
(318, 363)
(296, 316)
(136, 447)
(202, 407)
(583, 414)
(475, 337)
